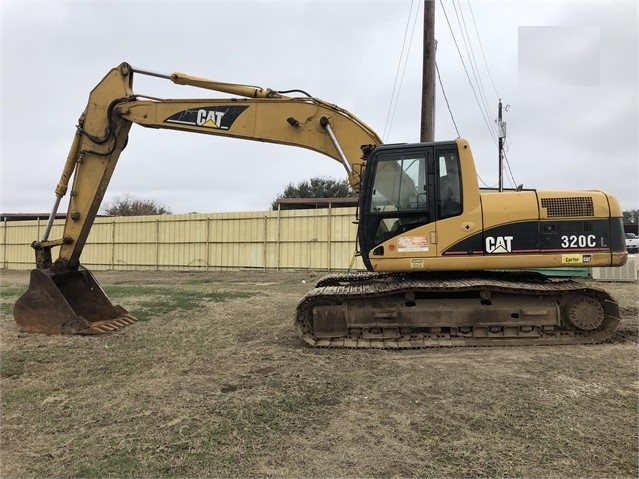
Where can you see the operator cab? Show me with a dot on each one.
(406, 186)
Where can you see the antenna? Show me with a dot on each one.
(501, 134)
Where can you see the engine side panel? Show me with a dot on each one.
(518, 230)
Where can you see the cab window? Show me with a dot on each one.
(400, 195)
(400, 184)
(449, 184)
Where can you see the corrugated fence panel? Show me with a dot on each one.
(17, 237)
(322, 239)
(134, 243)
(298, 233)
(181, 242)
(343, 238)
(272, 246)
(98, 251)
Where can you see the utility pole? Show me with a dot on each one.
(501, 133)
(427, 132)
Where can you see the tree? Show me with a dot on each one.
(317, 187)
(631, 216)
(126, 205)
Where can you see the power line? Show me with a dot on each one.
(471, 55)
(506, 146)
(481, 47)
(511, 177)
(392, 107)
(467, 74)
(446, 99)
(477, 89)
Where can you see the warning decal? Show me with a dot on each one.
(411, 244)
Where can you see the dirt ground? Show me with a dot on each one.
(213, 382)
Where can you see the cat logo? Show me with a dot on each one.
(499, 244)
(215, 117)
(209, 118)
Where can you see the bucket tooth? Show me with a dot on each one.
(68, 302)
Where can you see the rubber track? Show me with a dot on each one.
(345, 287)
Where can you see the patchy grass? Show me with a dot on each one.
(155, 301)
(214, 383)
(9, 295)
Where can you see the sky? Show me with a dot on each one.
(566, 72)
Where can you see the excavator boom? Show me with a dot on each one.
(64, 297)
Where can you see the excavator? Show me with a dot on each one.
(449, 264)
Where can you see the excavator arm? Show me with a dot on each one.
(64, 297)
(262, 115)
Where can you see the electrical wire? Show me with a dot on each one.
(478, 89)
(481, 47)
(481, 110)
(470, 53)
(446, 99)
(510, 175)
(410, 42)
(396, 88)
(507, 142)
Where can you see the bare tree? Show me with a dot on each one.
(126, 205)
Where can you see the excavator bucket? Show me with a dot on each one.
(71, 302)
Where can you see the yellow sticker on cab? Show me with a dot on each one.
(571, 258)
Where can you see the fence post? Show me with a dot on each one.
(278, 266)
(208, 242)
(330, 237)
(264, 244)
(157, 244)
(4, 245)
(112, 244)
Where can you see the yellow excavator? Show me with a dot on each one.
(449, 264)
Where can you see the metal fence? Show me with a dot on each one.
(318, 239)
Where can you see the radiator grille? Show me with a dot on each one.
(566, 207)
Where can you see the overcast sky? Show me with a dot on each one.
(566, 70)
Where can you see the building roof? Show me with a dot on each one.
(29, 216)
(312, 203)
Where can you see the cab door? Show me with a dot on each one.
(398, 208)
(458, 211)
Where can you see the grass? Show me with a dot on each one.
(178, 447)
(120, 466)
(215, 383)
(266, 416)
(160, 300)
(22, 396)
(157, 300)
(8, 296)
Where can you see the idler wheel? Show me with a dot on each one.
(585, 312)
